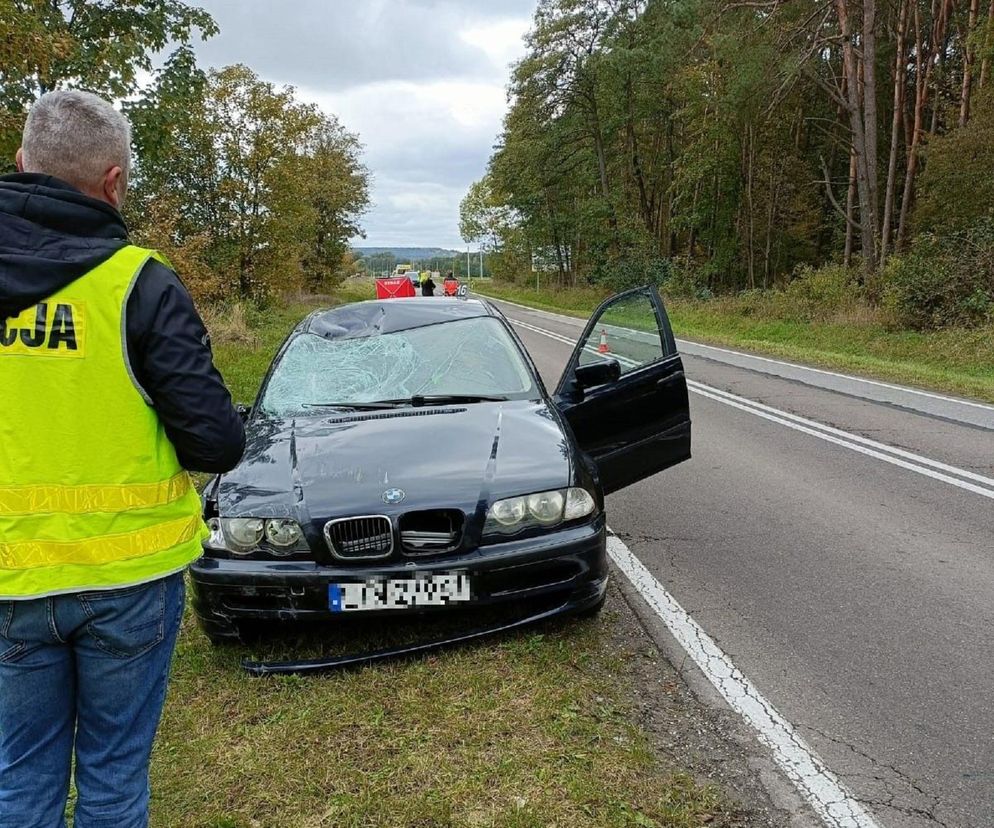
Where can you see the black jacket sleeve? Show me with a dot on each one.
(170, 354)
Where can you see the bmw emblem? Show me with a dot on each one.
(394, 496)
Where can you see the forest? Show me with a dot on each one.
(248, 190)
(721, 146)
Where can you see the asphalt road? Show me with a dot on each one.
(853, 588)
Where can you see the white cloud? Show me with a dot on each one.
(500, 42)
(421, 81)
(425, 144)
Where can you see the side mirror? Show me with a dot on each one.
(244, 411)
(598, 373)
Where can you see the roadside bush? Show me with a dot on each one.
(687, 281)
(229, 324)
(943, 281)
(632, 271)
(819, 294)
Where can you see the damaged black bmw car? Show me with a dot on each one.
(404, 457)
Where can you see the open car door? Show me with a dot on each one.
(624, 391)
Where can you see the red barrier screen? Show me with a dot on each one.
(396, 287)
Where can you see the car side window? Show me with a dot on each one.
(628, 330)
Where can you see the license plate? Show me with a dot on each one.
(438, 590)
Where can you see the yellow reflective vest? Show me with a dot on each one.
(92, 495)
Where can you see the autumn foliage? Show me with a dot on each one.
(246, 189)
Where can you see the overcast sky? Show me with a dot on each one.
(421, 81)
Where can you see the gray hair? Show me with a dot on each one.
(76, 136)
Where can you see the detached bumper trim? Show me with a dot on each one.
(325, 665)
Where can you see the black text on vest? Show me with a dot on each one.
(53, 334)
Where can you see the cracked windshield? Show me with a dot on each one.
(464, 358)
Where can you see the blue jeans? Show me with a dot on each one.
(91, 669)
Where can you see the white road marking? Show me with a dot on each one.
(850, 441)
(934, 469)
(551, 334)
(891, 386)
(988, 481)
(836, 806)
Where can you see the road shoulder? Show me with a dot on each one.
(691, 725)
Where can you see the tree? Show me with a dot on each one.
(325, 192)
(957, 188)
(737, 139)
(98, 45)
(483, 218)
(276, 186)
(27, 49)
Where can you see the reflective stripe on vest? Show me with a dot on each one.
(78, 500)
(92, 494)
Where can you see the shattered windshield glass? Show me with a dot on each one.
(468, 357)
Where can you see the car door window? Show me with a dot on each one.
(639, 425)
(627, 330)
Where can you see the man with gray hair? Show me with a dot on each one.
(109, 396)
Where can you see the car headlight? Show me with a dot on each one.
(283, 533)
(244, 536)
(541, 509)
(509, 512)
(244, 533)
(547, 507)
(579, 504)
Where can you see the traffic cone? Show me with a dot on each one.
(603, 348)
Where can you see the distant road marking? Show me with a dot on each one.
(943, 472)
(836, 806)
(551, 334)
(853, 442)
(850, 377)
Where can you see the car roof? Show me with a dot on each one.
(389, 315)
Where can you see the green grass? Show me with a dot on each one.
(532, 730)
(960, 361)
(524, 731)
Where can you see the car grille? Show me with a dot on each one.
(359, 538)
(431, 533)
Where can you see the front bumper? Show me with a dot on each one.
(566, 569)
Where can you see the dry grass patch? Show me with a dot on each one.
(228, 325)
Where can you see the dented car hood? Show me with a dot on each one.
(340, 464)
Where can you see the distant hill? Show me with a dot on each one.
(409, 253)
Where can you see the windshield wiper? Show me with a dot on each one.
(359, 406)
(415, 401)
(441, 399)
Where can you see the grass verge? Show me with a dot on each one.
(528, 730)
(956, 360)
